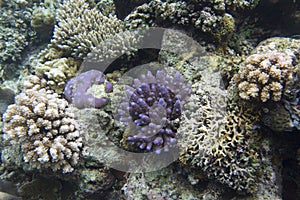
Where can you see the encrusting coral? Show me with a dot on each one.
(77, 89)
(218, 141)
(44, 127)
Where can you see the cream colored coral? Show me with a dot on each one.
(43, 125)
(263, 76)
(57, 72)
(81, 28)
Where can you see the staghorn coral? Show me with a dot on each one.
(44, 127)
(80, 28)
(77, 89)
(151, 107)
(263, 76)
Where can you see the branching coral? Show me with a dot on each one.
(271, 75)
(57, 72)
(80, 28)
(263, 76)
(44, 127)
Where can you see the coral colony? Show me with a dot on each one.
(76, 90)
(151, 107)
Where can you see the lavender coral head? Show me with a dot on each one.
(152, 108)
(76, 90)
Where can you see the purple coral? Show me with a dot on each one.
(76, 90)
(152, 108)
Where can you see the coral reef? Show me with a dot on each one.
(151, 107)
(44, 127)
(80, 28)
(271, 76)
(95, 180)
(210, 140)
(207, 16)
(172, 182)
(77, 89)
(16, 32)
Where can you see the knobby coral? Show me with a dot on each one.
(44, 127)
(263, 76)
(151, 108)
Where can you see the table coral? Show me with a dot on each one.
(44, 127)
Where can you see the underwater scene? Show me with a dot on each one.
(150, 100)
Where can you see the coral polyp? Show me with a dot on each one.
(152, 108)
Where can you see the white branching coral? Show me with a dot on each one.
(44, 127)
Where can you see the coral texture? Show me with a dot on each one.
(57, 72)
(218, 140)
(76, 90)
(272, 75)
(80, 28)
(263, 76)
(151, 108)
(207, 16)
(44, 127)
